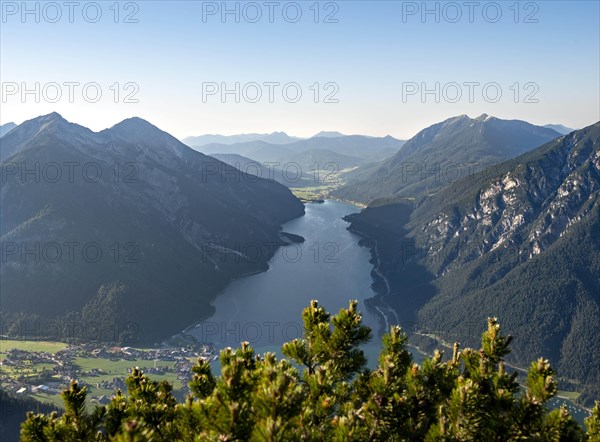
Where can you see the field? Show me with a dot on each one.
(47, 346)
(331, 180)
(120, 368)
(29, 370)
(306, 194)
(571, 395)
(91, 371)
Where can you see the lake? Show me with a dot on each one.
(265, 309)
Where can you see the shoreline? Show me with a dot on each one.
(196, 323)
(238, 277)
(207, 316)
(377, 302)
(352, 203)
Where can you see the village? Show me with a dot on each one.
(43, 373)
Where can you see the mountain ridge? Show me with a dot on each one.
(273, 138)
(172, 225)
(442, 153)
(519, 241)
(359, 146)
(564, 130)
(6, 128)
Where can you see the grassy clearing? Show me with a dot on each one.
(95, 391)
(120, 369)
(53, 399)
(311, 193)
(46, 346)
(27, 371)
(571, 395)
(120, 366)
(110, 369)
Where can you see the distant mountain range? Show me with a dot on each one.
(325, 153)
(288, 177)
(328, 134)
(155, 228)
(272, 138)
(441, 154)
(559, 128)
(6, 128)
(520, 241)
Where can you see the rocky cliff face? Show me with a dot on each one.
(520, 241)
(526, 204)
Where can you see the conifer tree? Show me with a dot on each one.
(324, 392)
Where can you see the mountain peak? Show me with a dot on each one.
(6, 128)
(561, 129)
(450, 121)
(484, 117)
(134, 122)
(134, 128)
(53, 117)
(458, 141)
(457, 118)
(52, 121)
(328, 134)
(52, 125)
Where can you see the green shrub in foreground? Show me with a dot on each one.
(470, 397)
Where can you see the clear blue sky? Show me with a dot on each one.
(369, 53)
